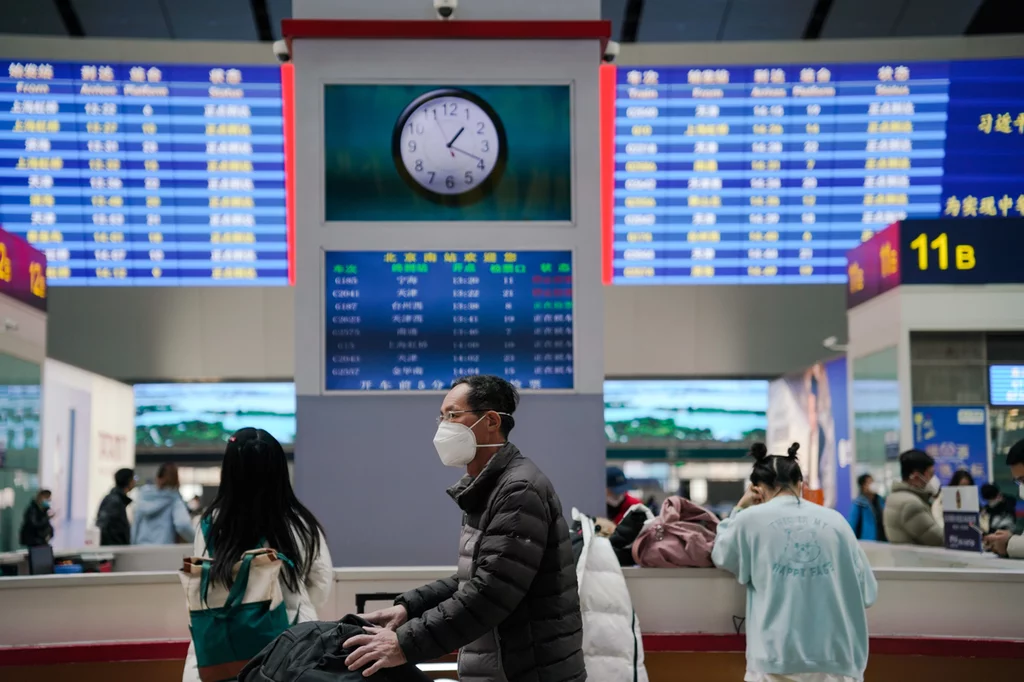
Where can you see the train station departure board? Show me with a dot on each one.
(146, 174)
(417, 320)
(770, 174)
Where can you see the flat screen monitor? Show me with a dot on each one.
(202, 416)
(769, 173)
(416, 320)
(658, 413)
(1006, 385)
(448, 153)
(146, 174)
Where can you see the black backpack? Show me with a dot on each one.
(312, 652)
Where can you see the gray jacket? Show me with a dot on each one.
(908, 517)
(512, 609)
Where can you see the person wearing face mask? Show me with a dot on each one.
(866, 512)
(808, 580)
(617, 497)
(908, 513)
(512, 610)
(36, 528)
(1004, 542)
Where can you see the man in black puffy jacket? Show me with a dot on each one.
(512, 609)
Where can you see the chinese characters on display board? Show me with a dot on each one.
(146, 174)
(413, 320)
(770, 174)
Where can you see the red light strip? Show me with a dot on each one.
(288, 116)
(606, 103)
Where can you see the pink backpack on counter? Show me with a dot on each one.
(681, 536)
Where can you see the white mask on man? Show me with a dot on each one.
(456, 443)
(933, 486)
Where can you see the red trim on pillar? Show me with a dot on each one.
(288, 118)
(606, 102)
(373, 29)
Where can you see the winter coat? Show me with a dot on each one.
(112, 519)
(908, 517)
(314, 652)
(301, 606)
(612, 646)
(161, 517)
(862, 518)
(512, 609)
(36, 528)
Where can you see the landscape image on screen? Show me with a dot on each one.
(652, 412)
(203, 416)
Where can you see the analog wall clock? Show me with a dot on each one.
(449, 145)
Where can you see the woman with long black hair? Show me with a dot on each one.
(256, 507)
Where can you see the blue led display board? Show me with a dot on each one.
(146, 174)
(416, 320)
(771, 173)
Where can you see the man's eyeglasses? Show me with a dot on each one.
(452, 414)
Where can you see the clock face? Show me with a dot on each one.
(449, 145)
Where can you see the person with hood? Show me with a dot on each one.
(512, 609)
(808, 581)
(36, 528)
(112, 519)
(866, 512)
(908, 513)
(617, 497)
(161, 517)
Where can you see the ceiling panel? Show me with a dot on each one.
(278, 10)
(37, 17)
(862, 18)
(767, 19)
(121, 18)
(211, 20)
(936, 17)
(667, 21)
(614, 10)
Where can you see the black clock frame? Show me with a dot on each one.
(480, 190)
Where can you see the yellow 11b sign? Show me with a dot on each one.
(963, 254)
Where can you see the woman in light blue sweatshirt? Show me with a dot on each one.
(808, 581)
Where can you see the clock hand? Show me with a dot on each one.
(463, 151)
(456, 137)
(443, 135)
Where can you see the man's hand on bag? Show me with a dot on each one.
(391, 618)
(379, 649)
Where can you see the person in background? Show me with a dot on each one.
(513, 608)
(112, 518)
(1004, 542)
(808, 581)
(161, 517)
(908, 515)
(866, 512)
(961, 477)
(999, 513)
(195, 506)
(36, 528)
(617, 497)
(256, 507)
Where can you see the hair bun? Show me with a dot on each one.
(793, 449)
(758, 451)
